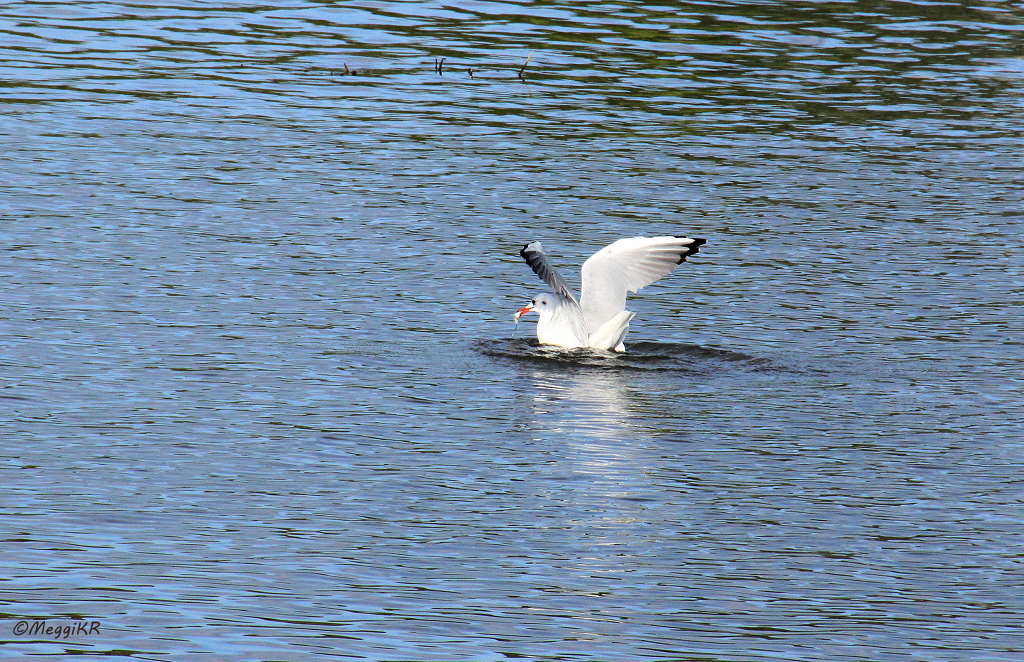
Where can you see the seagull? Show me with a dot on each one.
(599, 319)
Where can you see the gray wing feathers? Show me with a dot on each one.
(534, 255)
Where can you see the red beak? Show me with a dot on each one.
(522, 311)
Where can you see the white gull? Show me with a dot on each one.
(599, 319)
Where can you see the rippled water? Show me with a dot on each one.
(262, 394)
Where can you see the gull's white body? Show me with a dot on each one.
(599, 319)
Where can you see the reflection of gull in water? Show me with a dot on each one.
(604, 487)
(592, 402)
(588, 414)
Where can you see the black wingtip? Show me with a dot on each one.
(691, 248)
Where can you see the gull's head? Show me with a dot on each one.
(541, 304)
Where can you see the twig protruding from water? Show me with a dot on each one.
(523, 68)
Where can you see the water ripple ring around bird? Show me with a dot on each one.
(685, 358)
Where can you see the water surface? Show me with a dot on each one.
(262, 394)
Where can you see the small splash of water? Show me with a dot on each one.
(649, 356)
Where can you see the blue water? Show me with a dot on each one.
(262, 397)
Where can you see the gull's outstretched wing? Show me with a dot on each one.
(625, 266)
(534, 255)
